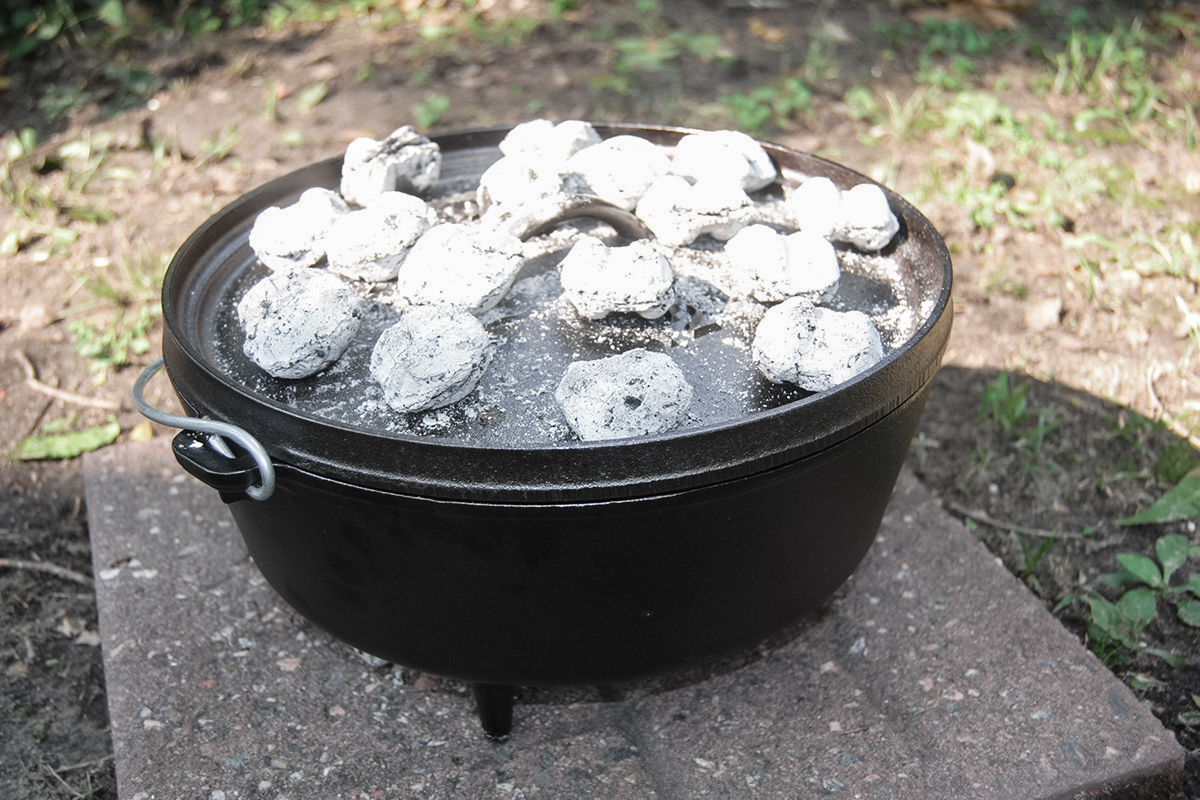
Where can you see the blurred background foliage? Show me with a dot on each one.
(29, 25)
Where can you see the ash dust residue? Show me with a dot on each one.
(537, 334)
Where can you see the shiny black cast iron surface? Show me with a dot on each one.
(575, 563)
(589, 593)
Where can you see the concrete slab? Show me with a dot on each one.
(932, 673)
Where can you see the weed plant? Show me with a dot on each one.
(125, 309)
(775, 104)
(638, 59)
(1114, 627)
(429, 111)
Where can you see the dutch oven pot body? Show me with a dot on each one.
(575, 563)
(589, 593)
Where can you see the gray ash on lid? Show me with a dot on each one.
(537, 333)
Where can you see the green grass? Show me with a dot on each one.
(116, 342)
(772, 105)
(1005, 406)
(945, 38)
(429, 111)
(28, 26)
(216, 150)
(57, 192)
(124, 307)
(51, 191)
(638, 58)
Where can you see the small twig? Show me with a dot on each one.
(1156, 405)
(54, 773)
(49, 569)
(99, 762)
(979, 516)
(32, 382)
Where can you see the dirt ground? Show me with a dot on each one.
(184, 124)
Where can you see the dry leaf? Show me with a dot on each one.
(289, 664)
(768, 33)
(424, 683)
(987, 15)
(88, 638)
(142, 432)
(66, 627)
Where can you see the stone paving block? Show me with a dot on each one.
(931, 674)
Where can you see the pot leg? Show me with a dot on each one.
(495, 704)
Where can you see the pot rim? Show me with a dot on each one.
(556, 471)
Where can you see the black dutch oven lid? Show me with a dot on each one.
(216, 256)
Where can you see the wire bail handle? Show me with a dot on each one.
(216, 432)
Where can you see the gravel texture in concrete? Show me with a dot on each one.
(931, 674)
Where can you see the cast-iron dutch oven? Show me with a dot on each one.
(568, 563)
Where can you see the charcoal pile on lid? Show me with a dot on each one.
(400, 305)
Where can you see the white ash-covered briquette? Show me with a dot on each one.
(541, 140)
(534, 166)
(812, 347)
(860, 216)
(600, 280)
(371, 243)
(433, 356)
(458, 265)
(298, 321)
(777, 266)
(813, 206)
(865, 219)
(678, 212)
(729, 156)
(405, 161)
(514, 181)
(636, 393)
(294, 236)
(620, 169)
